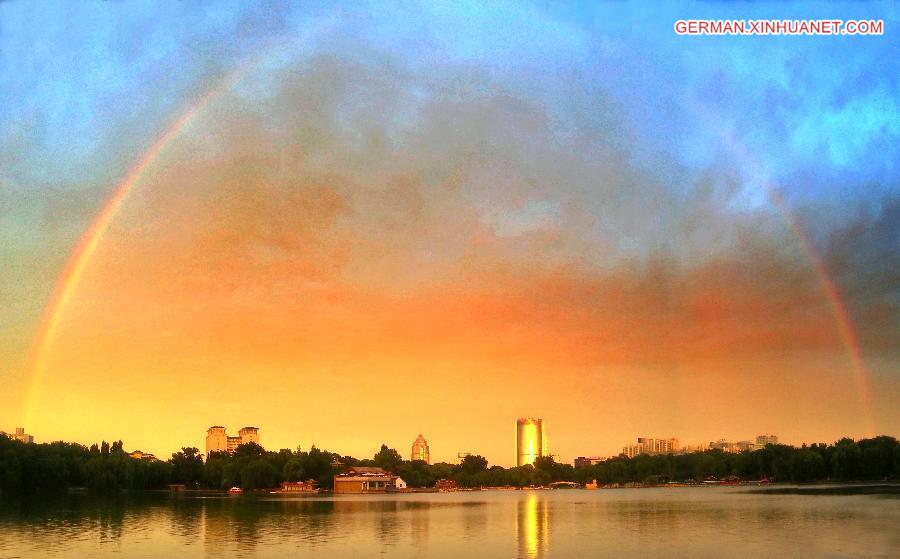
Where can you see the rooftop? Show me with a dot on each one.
(367, 471)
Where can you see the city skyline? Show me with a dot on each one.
(349, 226)
(217, 440)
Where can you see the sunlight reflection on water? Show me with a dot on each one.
(684, 522)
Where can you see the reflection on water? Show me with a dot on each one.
(533, 521)
(684, 522)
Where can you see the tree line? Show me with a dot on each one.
(877, 458)
(107, 467)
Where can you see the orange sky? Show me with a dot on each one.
(352, 246)
(335, 297)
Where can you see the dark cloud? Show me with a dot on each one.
(465, 220)
(864, 259)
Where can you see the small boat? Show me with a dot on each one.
(235, 491)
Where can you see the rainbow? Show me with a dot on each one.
(843, 323)
(839, 312)
(93, 236)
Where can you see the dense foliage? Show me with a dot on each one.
(846, 460)
(106, 467)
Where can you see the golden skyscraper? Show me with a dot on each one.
(420, 450)
(529, 440)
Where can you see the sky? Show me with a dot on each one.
(349, 224)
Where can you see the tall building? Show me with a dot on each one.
(420, 450)
(530, 439)
(217, 440)
(699, 447)
(731, 446)
(646, 445)
(743, 446)
(585, 461)
(248, 435)
(20, 435)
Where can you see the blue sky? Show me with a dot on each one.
(826, 103)
(86, 86)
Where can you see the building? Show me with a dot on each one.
(138, 455)
(646, 445)
(585, 461)
(248, 435)
(743, 446)
(530, 439)
(445, 485)
(217, 440)
(20, 435)
(308, 486)
(420, 450)
(359, 479)
(731, 446)
(699, 447)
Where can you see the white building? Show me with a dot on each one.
(217, 440)
(646, 445)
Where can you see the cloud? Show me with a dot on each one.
(441, 200)
(863, 258)
(335, 218)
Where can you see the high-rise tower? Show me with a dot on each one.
(217, 440)
(420, 450)
(529, 440)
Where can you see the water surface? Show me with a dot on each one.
(675, 522)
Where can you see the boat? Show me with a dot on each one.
(235, 491)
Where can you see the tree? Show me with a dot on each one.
(249, 450)
(473, 463)
(258, 473)
(877, 457)
(846, 459)
(317, 466)
(806, 465)
(187, 466)
(214, 470)
(387, 458)
(293, 470)
(416, 473)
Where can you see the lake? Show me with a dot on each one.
(664, 522)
